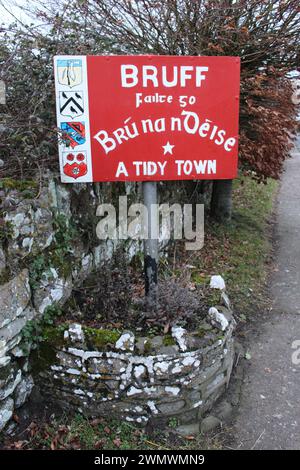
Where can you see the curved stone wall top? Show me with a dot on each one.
(140, 378)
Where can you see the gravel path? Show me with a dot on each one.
(269, 413)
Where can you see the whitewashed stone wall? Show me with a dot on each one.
(27, 231)
(15, 311)
(182, 380)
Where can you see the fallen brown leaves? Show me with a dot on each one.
(76, 434)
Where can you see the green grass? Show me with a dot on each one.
(239, 251)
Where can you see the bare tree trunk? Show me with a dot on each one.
(221, 200)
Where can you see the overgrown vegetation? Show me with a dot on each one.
(113, 296)
(35, 331)
(100, 433)
(106, 295)
(23, 185)
(239, 251)
(100, 339)
(58, 256)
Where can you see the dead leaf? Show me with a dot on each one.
(96, 421)
(53, 445)
(107, 430)
(117, 442)
(99, 444)
(19, 444)
(16, 418)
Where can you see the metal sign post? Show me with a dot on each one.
(151, 244)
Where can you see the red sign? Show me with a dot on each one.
(139, 118)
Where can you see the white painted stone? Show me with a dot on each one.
(73, 371)
(218, 319)
(141, 419)
(172, 390)
(161, 367)
(197, 404)
(139, 371)
(76, 333)
(217, 282)
(133, 391)
(177, 369)
(188, 361)
(152, 407)
(125, 342)
(179, 334)
(56, 368)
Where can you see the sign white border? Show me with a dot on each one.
(86, 146)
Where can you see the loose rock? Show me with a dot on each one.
(209, 423)
(217, 282)
(188, 429)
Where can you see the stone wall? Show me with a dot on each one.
(39, 265)
(16, 310)
(41, 261)
(138, 378)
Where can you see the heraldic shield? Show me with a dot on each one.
(73, 133)
(69, 72)
(71, 103)
(74, 164)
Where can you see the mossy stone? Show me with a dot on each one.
(100, 339)
(168, 340)
(19, 184)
